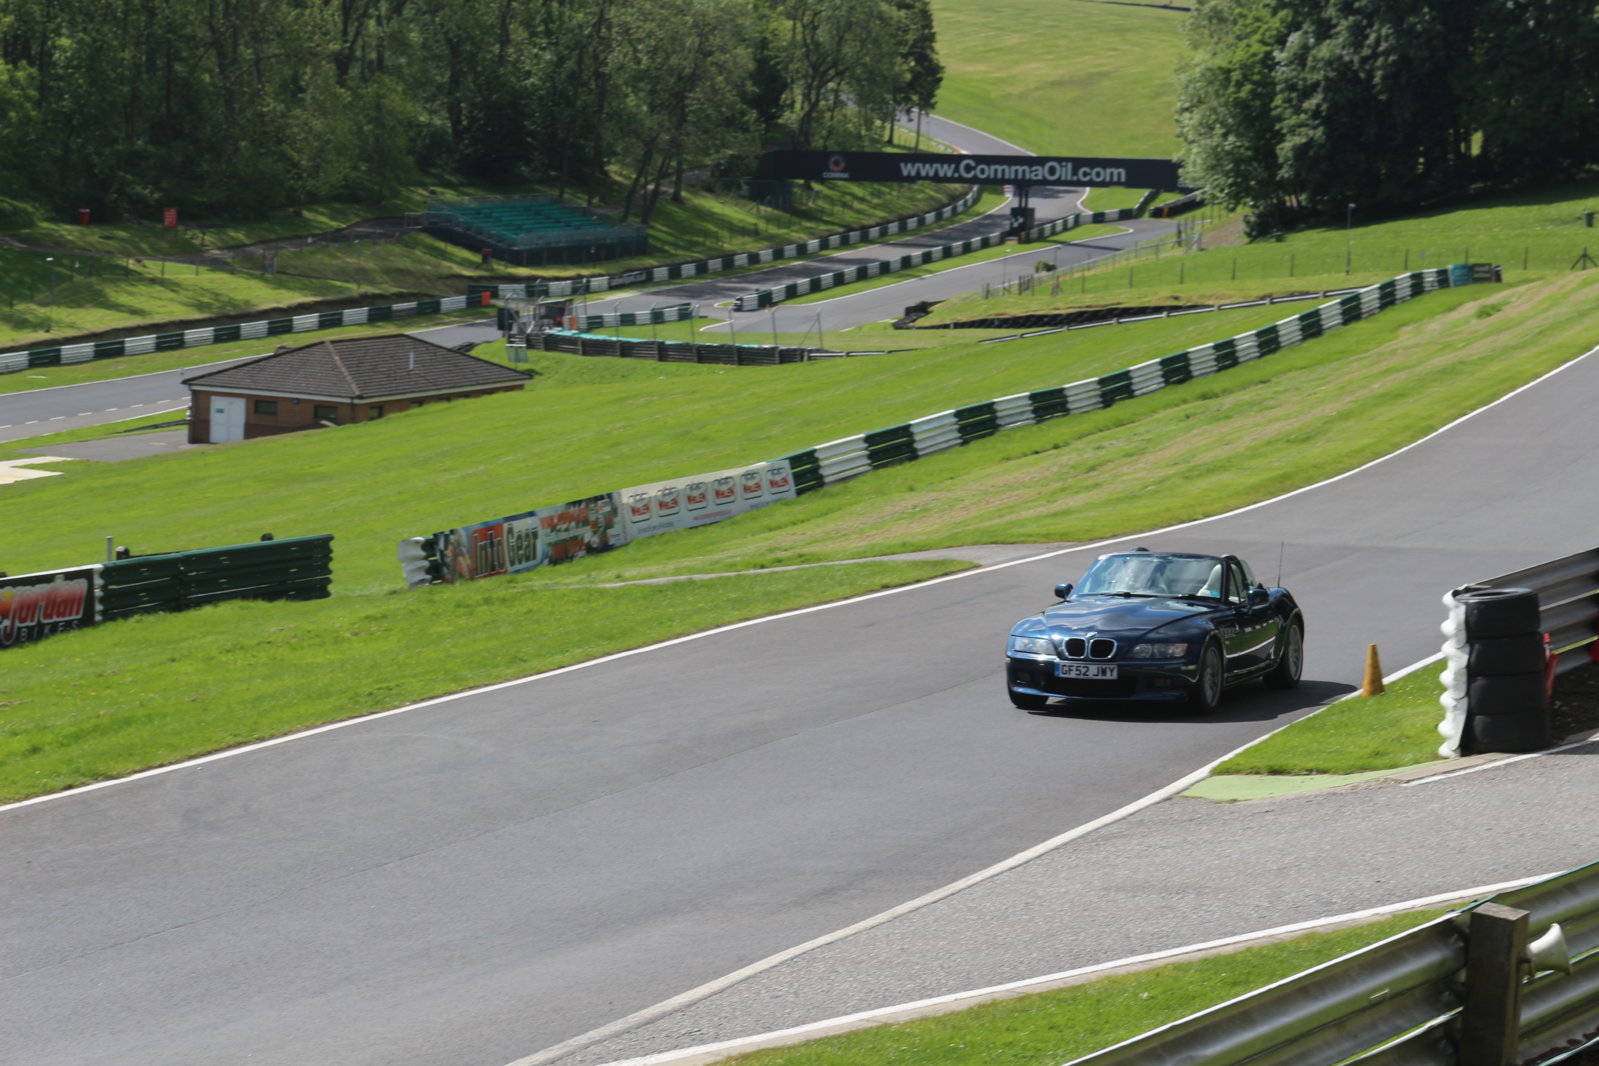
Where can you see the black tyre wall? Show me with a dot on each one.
(1509, 694)
(1508, 732)
(1499, 656)
(1499, 612)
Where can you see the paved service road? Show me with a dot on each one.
(476, 880)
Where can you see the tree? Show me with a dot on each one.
(921, 71)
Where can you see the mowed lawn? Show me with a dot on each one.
(1070, 77)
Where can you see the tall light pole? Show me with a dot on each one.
(1349, 221)
(49, 314)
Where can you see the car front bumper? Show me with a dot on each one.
(1134, 680)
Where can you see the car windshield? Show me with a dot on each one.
(1153, 574)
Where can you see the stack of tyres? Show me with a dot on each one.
(1507, 704)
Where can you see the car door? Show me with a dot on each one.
(1231, 618)
(1256, 622)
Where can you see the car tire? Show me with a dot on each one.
(1501, 656)
(1499, 612)
(1292, 660)
(1508, 694)
(1026, 701)
(1509, 733)
(1205, 695)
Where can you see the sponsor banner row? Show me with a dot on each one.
(33, 606)
(567, 531)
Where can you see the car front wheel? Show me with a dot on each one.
(1292, 660)
(1205, 696)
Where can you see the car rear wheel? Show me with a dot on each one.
(1027, 701)
(1291, 662)
(1205, 696)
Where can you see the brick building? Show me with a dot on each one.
(336, 382)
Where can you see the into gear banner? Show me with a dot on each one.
(558, 534)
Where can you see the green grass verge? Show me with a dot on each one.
(1539, 233)
(1050, 1027)
(1065, 78)
(1394, 729)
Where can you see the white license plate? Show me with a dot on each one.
(1091, 671)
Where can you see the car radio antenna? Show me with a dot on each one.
(1280, 546)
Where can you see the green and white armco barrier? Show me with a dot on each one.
(191, 338)
(754, 301)
(655, 315)
(850, 457)
(676, 272)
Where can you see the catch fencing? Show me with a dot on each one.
(850, 457)
(1462, 990)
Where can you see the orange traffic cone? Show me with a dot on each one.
(1373, 682)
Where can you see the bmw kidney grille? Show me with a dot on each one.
(1082, 648)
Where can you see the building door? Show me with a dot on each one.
(227, 419)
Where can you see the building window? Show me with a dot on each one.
(266, 407)
(323, 412)
(417, 403)
(374, 412)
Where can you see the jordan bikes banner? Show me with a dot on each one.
(36, 605)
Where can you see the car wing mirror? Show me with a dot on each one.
(1259, 597)
(1062, 591)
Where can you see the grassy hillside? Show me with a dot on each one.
(106, 283)
(1072, 77)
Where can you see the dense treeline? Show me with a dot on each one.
(240, 105)
(1302, 108)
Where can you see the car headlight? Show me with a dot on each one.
(1159, 651)
(1031, 646)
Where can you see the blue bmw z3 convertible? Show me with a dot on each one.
(1144, 625)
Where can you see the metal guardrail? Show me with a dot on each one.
(1568, 604)
(1407, 1000)
(851, 456)
(762, 298)
(190, 338)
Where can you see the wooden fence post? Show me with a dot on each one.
(1490, 1023)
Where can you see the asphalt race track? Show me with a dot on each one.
(476, 880)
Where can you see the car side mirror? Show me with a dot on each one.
(1259, 597)
(1062, 591)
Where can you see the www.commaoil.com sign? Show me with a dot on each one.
(990, 169)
